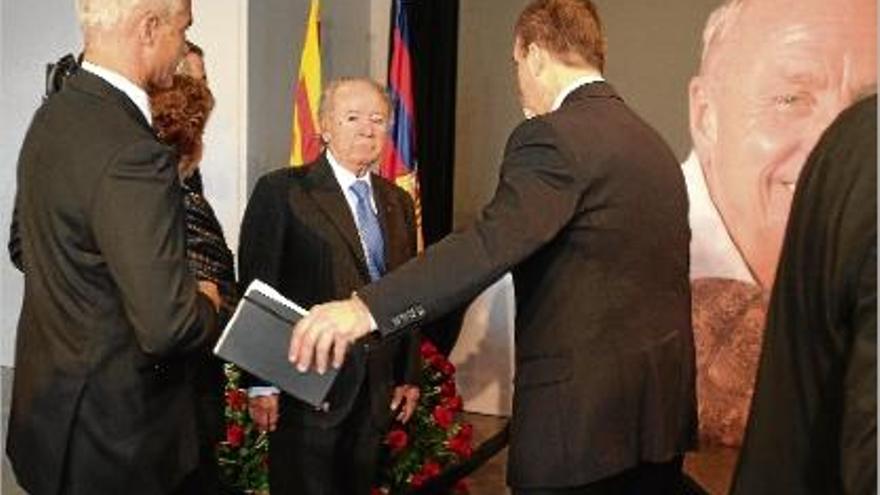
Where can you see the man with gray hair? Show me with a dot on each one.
(316, 233)
(100, 403)
(774, 74)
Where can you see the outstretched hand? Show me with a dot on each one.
(327, 328)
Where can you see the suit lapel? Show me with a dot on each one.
(384, 205)
(325, 191)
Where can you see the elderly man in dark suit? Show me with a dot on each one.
(317, 233)
(100, 404)
(813, 422)
(591, 214)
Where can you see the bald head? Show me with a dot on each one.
(774, 74)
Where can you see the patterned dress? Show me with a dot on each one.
(209, 258)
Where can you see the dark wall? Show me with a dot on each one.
(653, 50)
(275, 37)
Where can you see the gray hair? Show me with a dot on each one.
(329, 93)
(108, 13)
(718, 28)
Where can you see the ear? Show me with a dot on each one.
(148, 28)
(703, 119)
(536, 59)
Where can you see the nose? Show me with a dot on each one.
(368, 129)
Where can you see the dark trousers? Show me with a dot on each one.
(339, 460)
(645, 479)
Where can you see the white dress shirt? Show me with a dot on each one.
(573, 86)
(713, 253)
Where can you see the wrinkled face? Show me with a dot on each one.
(527, 83)
(788, 69)
(355, 125)
(170, 45)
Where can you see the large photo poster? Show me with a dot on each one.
(773, 75)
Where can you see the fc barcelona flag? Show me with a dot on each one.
(306, 143)
(399, 163)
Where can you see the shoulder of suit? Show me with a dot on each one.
(537, 128)
(86, 105)
(380, 182)
(285, 174)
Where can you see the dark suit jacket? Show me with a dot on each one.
(109, 306)
(813, 422)
(298, 235)
(591, 213)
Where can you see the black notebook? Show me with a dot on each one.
(257, 339)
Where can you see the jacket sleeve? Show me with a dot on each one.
(261, 240)
(536, 197)
(137, 216)
(261, 244)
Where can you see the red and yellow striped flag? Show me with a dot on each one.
(306, 144)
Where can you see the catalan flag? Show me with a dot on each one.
(306, 142)
(399, 162)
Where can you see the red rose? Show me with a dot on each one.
(377, 491)
(436, 361)
(427, 349)
(460, 446)
(452, 403)
(447, 368)
(466, 431)
(234, 435)
(236, 399)
(397, 439)
(447, 389)
(443, 416)
(460, 487)
(417, 480)
(430, 469)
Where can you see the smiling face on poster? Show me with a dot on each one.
(774, 75)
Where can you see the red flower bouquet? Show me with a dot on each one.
(244, 455)
(434, 438)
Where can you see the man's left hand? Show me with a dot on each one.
(328, 327)
(406, 397)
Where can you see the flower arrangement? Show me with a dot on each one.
(434, 438)
(243, 456)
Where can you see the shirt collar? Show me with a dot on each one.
(134, 92)
(344, 176)
(573, 86)
(713, 252)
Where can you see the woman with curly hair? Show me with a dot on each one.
(180, 113)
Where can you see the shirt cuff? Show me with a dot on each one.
(262, 391)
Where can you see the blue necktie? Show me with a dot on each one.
(371, 234)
